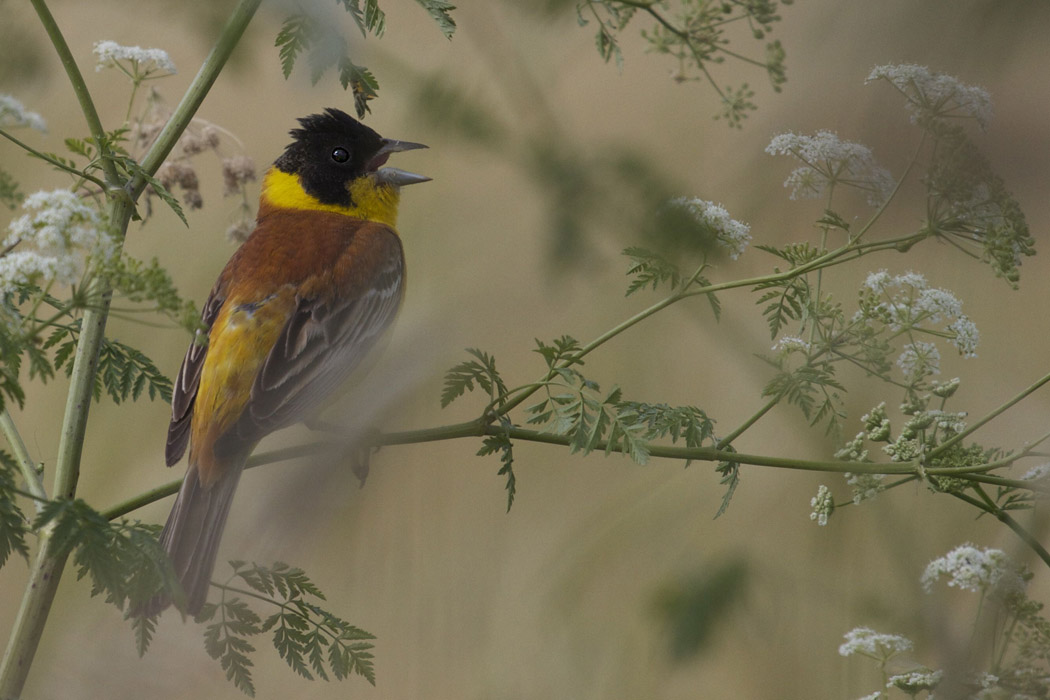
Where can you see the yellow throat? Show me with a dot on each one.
(371, 201)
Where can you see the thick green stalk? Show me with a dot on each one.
(46, 571)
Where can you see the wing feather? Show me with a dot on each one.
(188, 381)
(321, 344)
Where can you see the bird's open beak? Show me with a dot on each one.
(396, 176)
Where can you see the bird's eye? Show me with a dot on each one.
(340, 155)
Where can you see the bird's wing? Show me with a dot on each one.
(326, 337)
(186, 384)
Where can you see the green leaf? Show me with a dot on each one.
(12, 521)
(295, 37)
(502, 444)
(730, 472)
(312, 641)
(224, 640)
(362, 83)
(439, 11)
(462, 378)
(123, 371)
(134, 169)
(10, 195)
(650, 270)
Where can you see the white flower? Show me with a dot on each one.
(142, 61)
(865, 486)
(14, 113)
(823, 505)
(938, 303)
(877, 695)
(827, 160)
(1037, 472)
(866, 641)
(919, 359)
(790, 343)
(733, 235)
(935, 95)
(915, 681)
(966, 336)
(969, 568)
(51, 242)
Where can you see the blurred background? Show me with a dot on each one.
(606, 579)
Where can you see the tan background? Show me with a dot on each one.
(557, 599)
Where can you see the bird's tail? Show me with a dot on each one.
(192, 534)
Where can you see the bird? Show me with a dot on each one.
(298, 306)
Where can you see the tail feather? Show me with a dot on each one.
(192, 534)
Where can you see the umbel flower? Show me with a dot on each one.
(53, 241)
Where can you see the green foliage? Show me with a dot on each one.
(481, 371)
(696, 37)
(320, 39)
(10, 195)
(124, 560)
(501, 443)
(143, 283)
(575, 406)
(12, 521)
(123, 372)
(226, 640)
(969, 205)
(313, 642)
(440, 11)
(368, 18)
(686, 423)
(812, 387)
(133, 169)
(650, 270)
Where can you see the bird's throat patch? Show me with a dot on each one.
(370, 202)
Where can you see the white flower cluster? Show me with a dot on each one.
(823, 505)
(733, 235)
(936, 95)
(61, 232)
(906, 302)
(14, 113)
(790, 343)
(914, 682)
(865, 486)
(919, 359)
(968, 568)
(866, 641)
(828, 160)
(142, 61)
(1037, 472)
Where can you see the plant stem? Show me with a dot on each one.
(1009, 521)
(76, 79)
(47, 568)
(48, 159)
(25, 463)
(988, 417)
(195, 94)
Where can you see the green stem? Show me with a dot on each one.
(988, 417)
(25, 463)
(80, 89)
(50, 561)
(171, 487)
(48, 159)
(1007, 520)
(198, 90)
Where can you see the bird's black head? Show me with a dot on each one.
(333, 149)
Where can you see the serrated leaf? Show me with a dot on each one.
(296, 35)
(440, 12)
